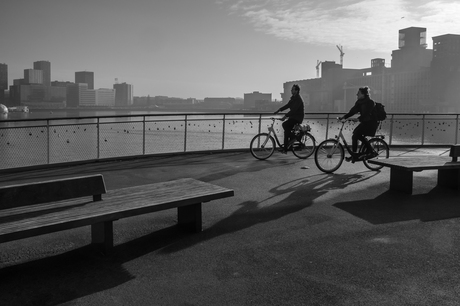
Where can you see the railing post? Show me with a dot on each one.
(143, 136)
(98, 139)
(260, 124)
(223, 132)
(456, 130)
(48, 142)
(391, 129)
(423, 129)
(185, 134)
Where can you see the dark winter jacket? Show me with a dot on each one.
(364, 107)
(296, 108)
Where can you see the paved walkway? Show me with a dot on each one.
(291, 236)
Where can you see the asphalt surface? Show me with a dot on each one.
(291, 235)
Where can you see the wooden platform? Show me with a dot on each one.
(402, 169)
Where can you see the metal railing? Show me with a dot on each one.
(35, 142)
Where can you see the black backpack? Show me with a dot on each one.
(379, 111)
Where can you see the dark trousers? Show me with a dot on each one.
(288, 125)
(363, 129)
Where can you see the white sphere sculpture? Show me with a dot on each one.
(3, 109)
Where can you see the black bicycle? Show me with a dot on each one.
(303, 145)
(330, 153)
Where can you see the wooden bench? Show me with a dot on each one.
(32, 209)
(402, 169)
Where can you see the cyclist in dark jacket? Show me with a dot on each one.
(368, 123)
(294, 116)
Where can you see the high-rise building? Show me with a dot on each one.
(412, 53)
(32, 76)
(123, 94)
(3, 76)
(74, 92)
(445, 72)
(44, 66)
(85, 77)
(3, 81)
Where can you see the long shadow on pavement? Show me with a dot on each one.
(392, 206)
(301, 194)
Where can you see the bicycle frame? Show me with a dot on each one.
(271, 132)
(340, 137)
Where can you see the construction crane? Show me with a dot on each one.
(318, 62)
(341, 54)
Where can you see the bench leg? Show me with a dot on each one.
(448, 178)
(401, 180)
(189, 217)
(102, 235)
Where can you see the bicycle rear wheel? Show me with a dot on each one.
(305, 147)
(329, 155)
(382, 150)
(262, 146)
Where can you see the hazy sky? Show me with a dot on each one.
(208, 48)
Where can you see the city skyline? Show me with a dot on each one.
(209, 48)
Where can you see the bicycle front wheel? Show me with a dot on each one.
(305, 147)
(329, 155)
(382, 150)
(262, 146)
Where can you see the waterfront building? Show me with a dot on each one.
(445, 66)
(419, 79)
(218, 103)
(38, 95)
(44, 66)
(257, 100)
(412, 53)
(33, 76)
(326, 93)
(3, 81)
(3, 76)
(73, 93)
(85, 77)
(105, 97)
(123, 94)
(87, 97)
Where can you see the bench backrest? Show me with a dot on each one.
(52, 190)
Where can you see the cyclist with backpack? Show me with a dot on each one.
(368, 123)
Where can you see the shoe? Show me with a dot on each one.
(282, 150)
(350, 159)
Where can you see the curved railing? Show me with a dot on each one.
(34, 142)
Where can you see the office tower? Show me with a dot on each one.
(86, 77)
(44, 66)
(445, 72)
(32, 76)
(3, 76)
(3, 81)
(74, 92)
(413, 53)
(123, 94)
